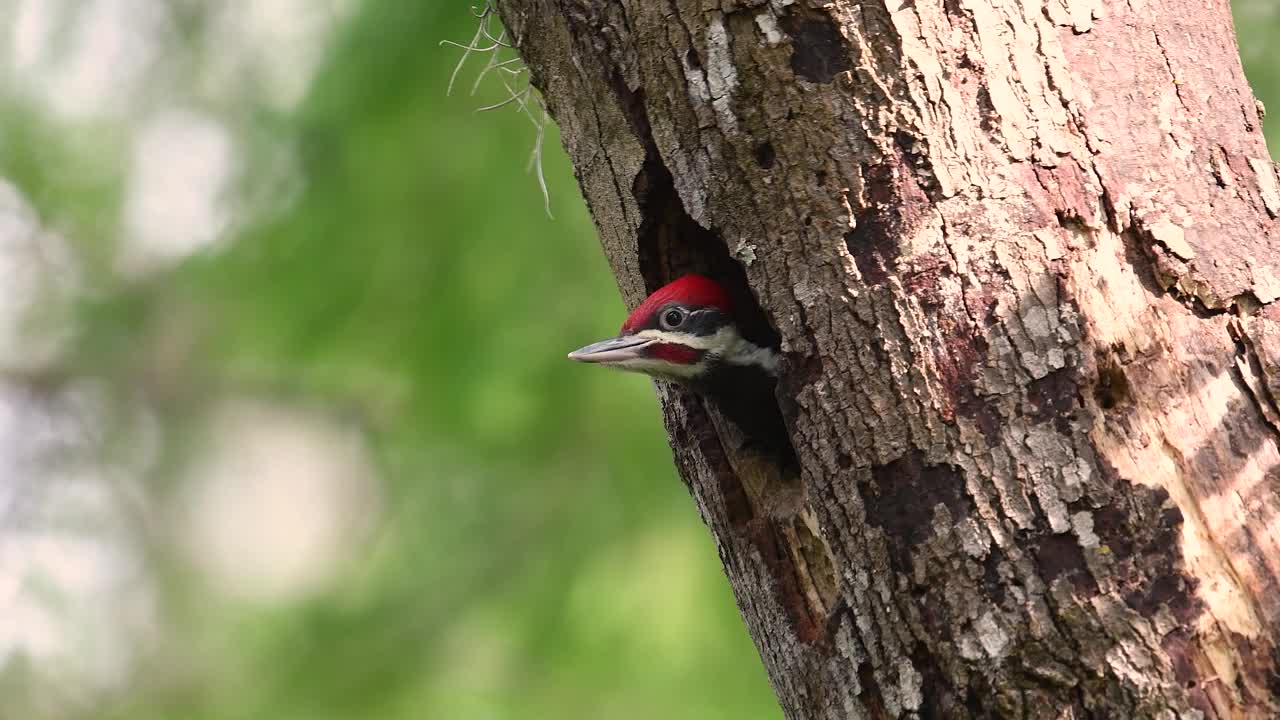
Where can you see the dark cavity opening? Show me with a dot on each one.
(818, 50)
(765, 155)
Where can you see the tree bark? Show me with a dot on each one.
(1020, 253)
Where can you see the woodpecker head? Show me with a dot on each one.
(684, 331)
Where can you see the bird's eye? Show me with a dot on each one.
(672, 319)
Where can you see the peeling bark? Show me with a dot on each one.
(1020, 255)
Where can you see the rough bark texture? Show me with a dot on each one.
(1020, 253)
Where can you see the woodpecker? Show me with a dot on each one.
(685, 332)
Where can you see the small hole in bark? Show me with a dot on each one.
(692, 60)
(844, 461)
(1113, 387)
(820, 177)
(808, 220)
(765, 155)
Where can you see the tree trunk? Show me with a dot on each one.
(1020, 256)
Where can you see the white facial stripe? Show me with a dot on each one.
(752, 354)
(697, 342)
(662, 368)
(726, 343)
(724, 339)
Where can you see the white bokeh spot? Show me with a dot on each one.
(176, 203)
(276, 502)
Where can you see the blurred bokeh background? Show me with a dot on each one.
(286, 429)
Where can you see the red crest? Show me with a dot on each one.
(688, 290)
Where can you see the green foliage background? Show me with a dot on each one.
(538, 557)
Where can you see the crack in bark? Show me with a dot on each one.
(1173, 76)
(1249, 371)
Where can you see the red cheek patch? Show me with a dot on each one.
(677, 354)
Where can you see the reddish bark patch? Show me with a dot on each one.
(956, 359)
(1067, 192)
(1177, 645)
(896, 204)
(1180, 650)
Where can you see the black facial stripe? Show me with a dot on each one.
(701, 321)
(704, 322)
